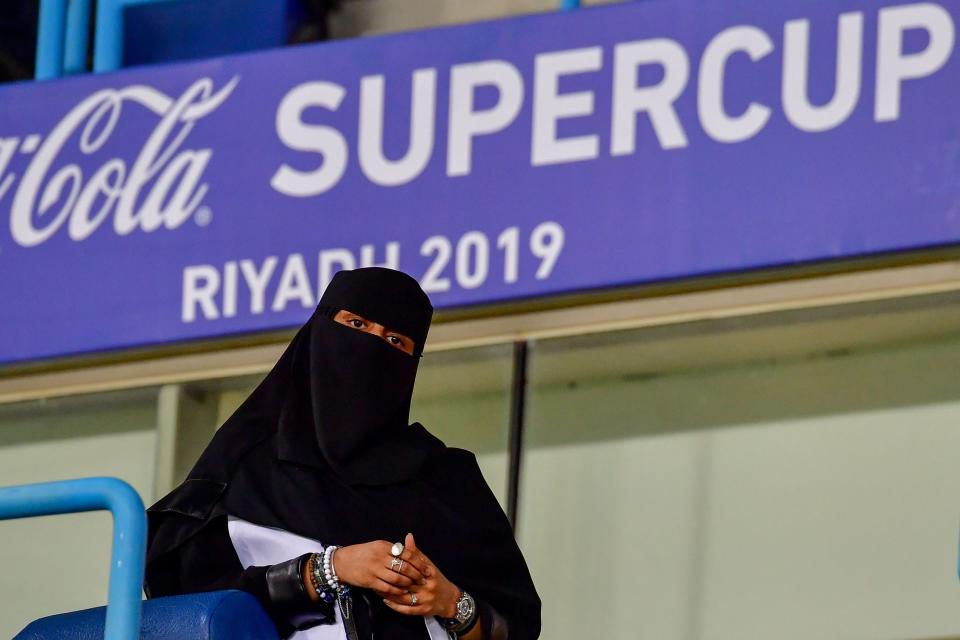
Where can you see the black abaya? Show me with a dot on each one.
(322, 448)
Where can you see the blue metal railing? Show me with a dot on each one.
(129, 536)
(50, 39)
(77, 37)
(63, 36)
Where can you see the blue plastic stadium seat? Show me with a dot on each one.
(218, 615)
(187, 29)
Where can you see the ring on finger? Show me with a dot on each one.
(413, 599)
(400, 567)
(396, 562)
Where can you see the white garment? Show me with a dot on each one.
(258, 546)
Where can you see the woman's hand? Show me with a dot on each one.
(436, 596)
(368, 566)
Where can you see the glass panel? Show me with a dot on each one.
(201, 408)
(61, 563)
(784, 476)
(462, 397)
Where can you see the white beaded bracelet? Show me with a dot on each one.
(328, 571)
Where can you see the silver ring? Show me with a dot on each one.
(400, 569)
(396, 562)
(396, 549)
(413, 599)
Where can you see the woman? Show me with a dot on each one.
(344, 521)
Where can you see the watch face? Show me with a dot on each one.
(464, 609)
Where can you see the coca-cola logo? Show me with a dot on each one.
(163, 186)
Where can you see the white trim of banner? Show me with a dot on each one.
(743, 300)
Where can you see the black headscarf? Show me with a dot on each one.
(323, 448)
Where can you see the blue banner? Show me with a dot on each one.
(612, 146)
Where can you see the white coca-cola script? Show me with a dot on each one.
(163, 186)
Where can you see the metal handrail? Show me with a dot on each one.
(50, 36)
(62, 38)
(129, 536)
(77, 37)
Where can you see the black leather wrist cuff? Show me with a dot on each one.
(285, 584)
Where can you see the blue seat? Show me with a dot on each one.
(188, 29)
(217, 615)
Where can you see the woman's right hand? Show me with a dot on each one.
(368, 566)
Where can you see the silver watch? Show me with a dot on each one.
(466, 610)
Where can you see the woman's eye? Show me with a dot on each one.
(394, 340)
(356, 324)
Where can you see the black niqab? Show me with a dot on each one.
(352, 387)
(323, 448)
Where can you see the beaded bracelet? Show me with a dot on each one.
(342, 589)
(328, 571)
(323, 588)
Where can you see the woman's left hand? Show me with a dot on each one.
(436, 597)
